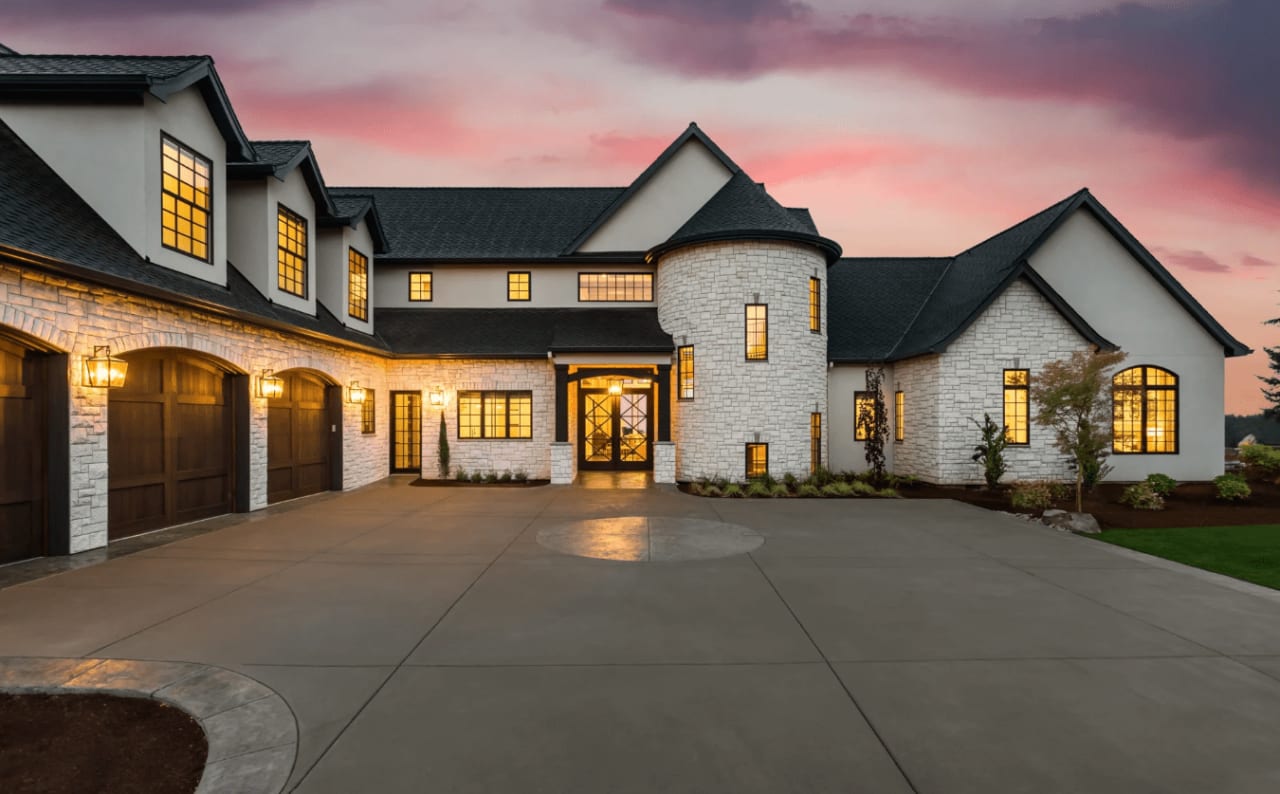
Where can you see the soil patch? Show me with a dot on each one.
(1192, 504)
(72, 743)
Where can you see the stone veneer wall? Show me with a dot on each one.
(920, 381)
(701, 294)
(533, 455)
(74, 317)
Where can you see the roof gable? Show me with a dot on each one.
(279, 159)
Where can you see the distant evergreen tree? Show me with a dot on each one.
(1273, 392)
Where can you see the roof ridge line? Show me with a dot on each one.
(907, 328)
(980, 243)
(113, 56)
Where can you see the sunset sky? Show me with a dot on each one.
(908, 127)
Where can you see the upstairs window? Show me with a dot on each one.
(684, 371)
(419, 286)
(357, 284)
(291, 252)
(186, 200)
(617, 287)
(899, 416)
(815, 305)
(757, 332)
(1145, 412)
(1017, 405)
(495, 414)
(864, 415)
(757, 460)
(518, 286)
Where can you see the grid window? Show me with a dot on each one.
(815, 441)
(406, 431)
(757, 460)
(684, 371)
(1017, 406)
(1145, 411)
(291, 256)
(815, 305)
(621, 287)
(357, 284)
(186, 200)
(757, 332)
(518, 286)
(495, 414)
(368, 412)
(899, 416)
(419, 286)
(864, 415)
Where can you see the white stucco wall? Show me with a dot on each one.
(485, 286)
(1124, 303)
(664, 203)
(847, 453)
(332, 282)
(702, 291)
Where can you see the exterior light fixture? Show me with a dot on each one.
(436, 398)
(270, 385)
(104, 371)
(355, 392)
(615, 388)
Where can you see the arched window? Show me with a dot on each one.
(1145, 411)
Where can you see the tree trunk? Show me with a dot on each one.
(1079, 487)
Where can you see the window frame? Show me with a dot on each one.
(364, 307)
(681, 375)
(763, 445)
(815, 441)
(195, 155)
(899, 416)
(369, 413)
(1025, 390)
(746, 331)
(283, 212)
(875, 420)
(815, 305)
(652, 277)
(431, 286)
(1143, 388)
(528, 285)
(507, 394)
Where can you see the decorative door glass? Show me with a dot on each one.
(599, 427)
(634, 418)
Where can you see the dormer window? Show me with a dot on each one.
(357, 284)
(291, 246)
(186, 200)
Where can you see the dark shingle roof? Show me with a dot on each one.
(153, 67)
(472, 224)
(873, 301)
(522, 333)
(280, 153)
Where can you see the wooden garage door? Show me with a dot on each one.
(22, 440)
(170, 443)
(298, 438)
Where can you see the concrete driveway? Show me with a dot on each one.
(427, 641)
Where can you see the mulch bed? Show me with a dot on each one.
(1192, 504)
(71, 744)
(425, 483)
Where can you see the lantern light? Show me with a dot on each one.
(104, 371)
(270, 385)
(355, 392)
(436, 397)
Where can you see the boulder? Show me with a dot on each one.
(1072, 522)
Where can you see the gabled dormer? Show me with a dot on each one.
(348, 242)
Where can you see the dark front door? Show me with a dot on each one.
(406, 432)
(169, 453)
(298, 438)
(614, 429)
(22, 437)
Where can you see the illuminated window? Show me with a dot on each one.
(815, 441)
(186, 200)
(495, 414)
(1017, 405)
(368, 412)
(357, 284)
(624, 287)
(899, 416)
(406, 431)
(815, 305)
(419, 286)
(757, 332)
(685, 371)
(864, 415)
(757, 460)
(518, 286)
(291, 252)
(1145, 411)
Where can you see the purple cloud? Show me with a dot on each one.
(70, 10)
(713, 11)
(1192, 260)
(1254, 261)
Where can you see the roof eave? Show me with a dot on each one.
(830, 248)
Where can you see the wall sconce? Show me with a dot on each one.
(355, 392)
(270, 385)
(104, 371)
(436, 398)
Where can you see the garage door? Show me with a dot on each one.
(299, 440)
(22, 438)
(170, 443)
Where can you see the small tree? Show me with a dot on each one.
(443, 448)
(1273, 393)
(1073, 399)
(870, 419)
(990, 453)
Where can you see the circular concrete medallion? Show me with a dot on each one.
(639, 539)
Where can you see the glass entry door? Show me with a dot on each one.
(614, 429)
(406, 432)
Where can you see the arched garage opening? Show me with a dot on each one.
(304, 436)
(177, 441)
(33, 436)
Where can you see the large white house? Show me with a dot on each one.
(284, 337)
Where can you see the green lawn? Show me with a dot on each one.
(1251, 553)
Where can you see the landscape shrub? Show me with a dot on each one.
(861, 488)
(1162, 484)
(779, 490)
(521, 475)
(1231, 488)
(505, 476)
(710, 490)
(821, 477)
(888, 493)
(732, 490)
(837, 489)
(477, 476)
(491, 476)
(790, 481)
(1142, 496)
(1032, 495)
(808, 490)
(990, 452)
(460, 475)
(757, 488)
(1261, 460)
